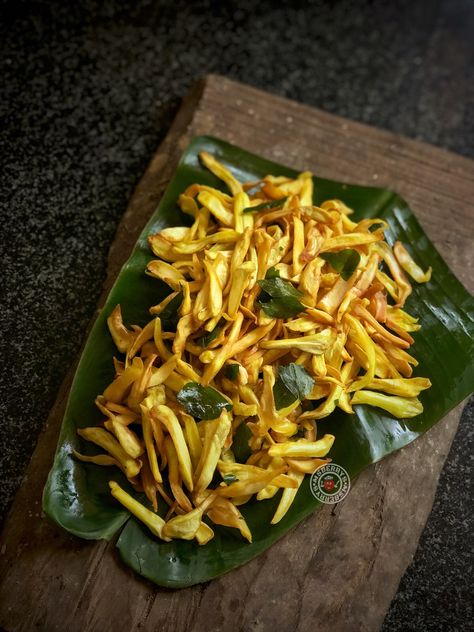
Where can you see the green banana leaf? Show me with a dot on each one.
(76, 495)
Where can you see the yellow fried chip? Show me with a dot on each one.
(150, 519)
(215, 435)
(105, 440)
(167, 417)
(225, 513)
(303, 447)
(287, 498)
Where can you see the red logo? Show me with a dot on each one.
(328, 485)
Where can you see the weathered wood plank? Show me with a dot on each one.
(337, 570)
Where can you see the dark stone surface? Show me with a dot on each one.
(437, 590)
(89, 90)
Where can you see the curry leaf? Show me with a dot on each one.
(279, 298)
(282, 308)
(272, 273)
(265, 205)
(293, 383)
(240, 443)
(232, 371)
(205, 340)
(169, 316)
(202, 402)
(345, 261)
(279, 288)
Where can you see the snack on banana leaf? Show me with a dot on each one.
(280, 312)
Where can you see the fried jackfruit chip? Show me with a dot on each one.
(150, 519)
(401, 407)
(105, 440)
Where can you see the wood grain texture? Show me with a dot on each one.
(340, 568)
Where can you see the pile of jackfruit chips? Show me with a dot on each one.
(280, 312)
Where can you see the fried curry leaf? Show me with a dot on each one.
(279, 288)
(272, 273)
(293, 383)
(209, 337)
(240, 443)
(282, 308)
(265, 205)
(169, 316)
(345, 261)
(279, 298)
(202, 402)
(232, 371)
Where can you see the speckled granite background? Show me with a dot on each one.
(89, 90)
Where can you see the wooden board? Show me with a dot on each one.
(340, 568)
